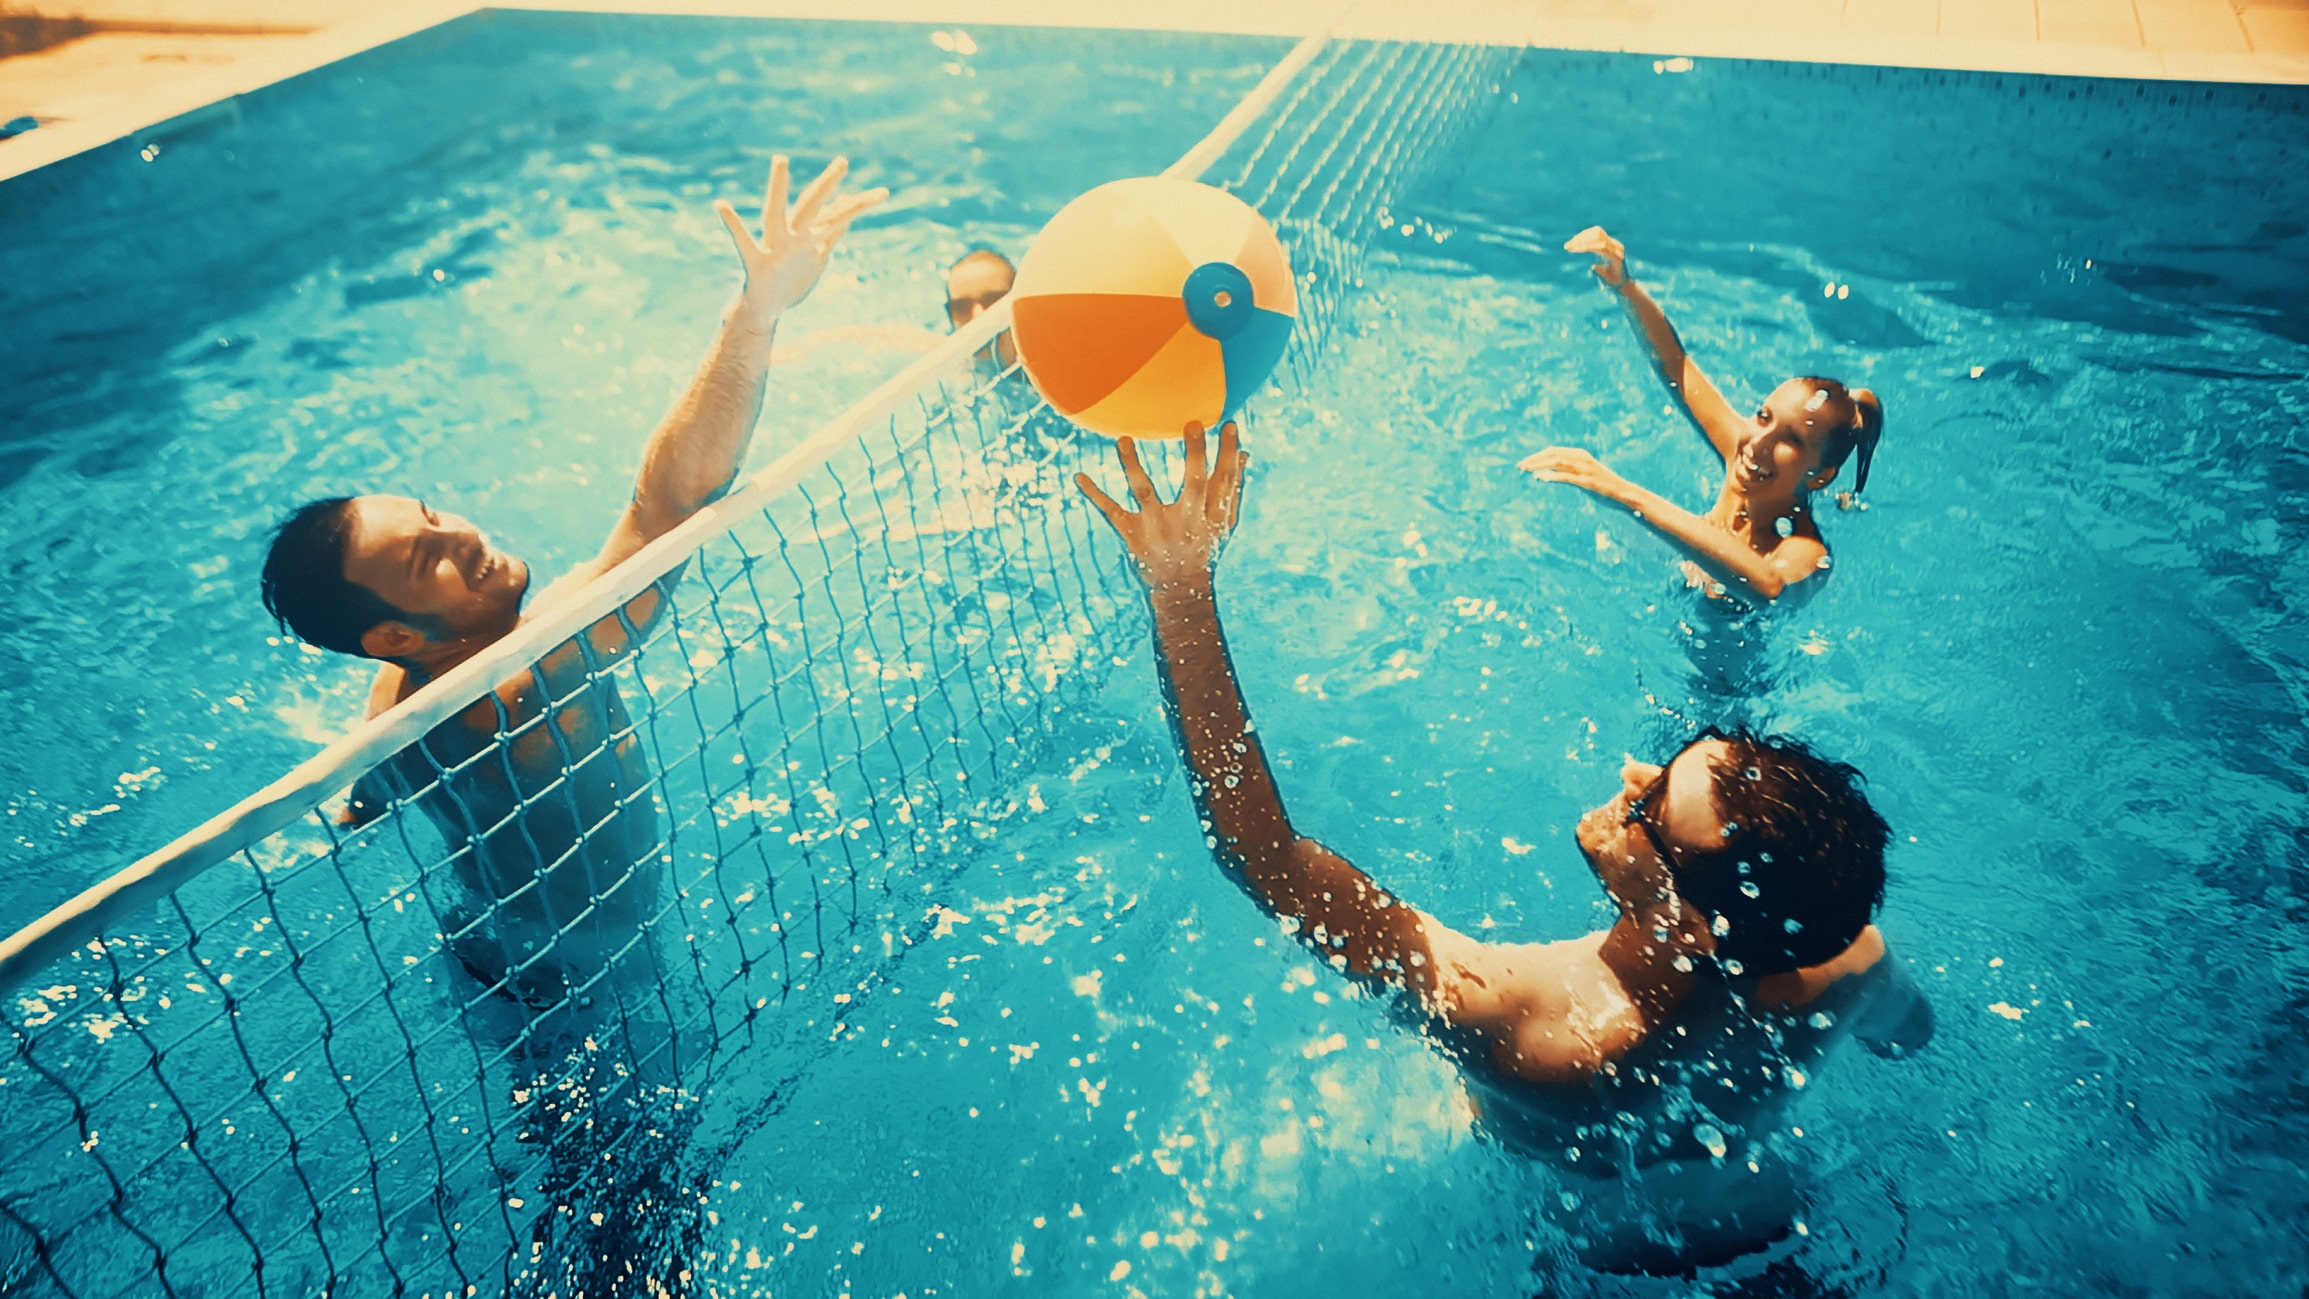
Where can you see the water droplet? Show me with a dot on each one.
(1752, 773)
(1748, 889)
(1711, 1138)
(1792, 925)
(1822, 1019)
(1720, 927)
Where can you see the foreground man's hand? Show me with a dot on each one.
(1181, 540)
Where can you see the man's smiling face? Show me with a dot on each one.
(435, 567)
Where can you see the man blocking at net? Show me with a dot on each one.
(539, 787)
(1646, 1062)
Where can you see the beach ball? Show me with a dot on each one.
(1147, 303)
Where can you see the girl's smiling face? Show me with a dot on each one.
(1779, 452)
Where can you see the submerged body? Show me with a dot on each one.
(1614, 1055)
(545, 800)
(1673, 1152)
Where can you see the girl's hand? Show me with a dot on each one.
(1611, 257)
(1576, 467)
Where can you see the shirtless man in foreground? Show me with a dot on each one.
(1647, 1062)
(560, 872)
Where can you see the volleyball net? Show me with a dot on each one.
(442, 1011)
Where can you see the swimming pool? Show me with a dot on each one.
(2060, 642)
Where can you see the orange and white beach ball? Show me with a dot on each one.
(1148, 303)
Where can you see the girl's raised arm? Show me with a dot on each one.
(1705, 406)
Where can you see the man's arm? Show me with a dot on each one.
(1898, 1020)
(1550, 1012)
(1692, 388)
(1721, 555)
(694, 455)
(1325, 902)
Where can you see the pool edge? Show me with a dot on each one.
(194, 95)
(1499, 22)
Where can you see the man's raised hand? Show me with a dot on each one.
(1611, 257)
(783, 265)
(1180, 540)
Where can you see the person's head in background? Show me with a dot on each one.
(982, 278)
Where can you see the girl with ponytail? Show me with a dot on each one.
(1760, 538)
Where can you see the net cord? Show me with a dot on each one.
(158, 874)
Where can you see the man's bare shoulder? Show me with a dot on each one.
(1551, 1012)
(1847, 972)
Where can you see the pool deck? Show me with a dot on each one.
(142, 64)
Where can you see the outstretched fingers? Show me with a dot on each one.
(1225, 501)
(814, 194)
(836, 222)
(1197, 472)
(774, 199)
(1116, 515)
(736, 225)
(1142, 488)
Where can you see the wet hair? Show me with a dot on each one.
(1860, 427)
(981, 253)
(304, 584)
(1801, 872)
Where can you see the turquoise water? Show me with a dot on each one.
(2062, 642)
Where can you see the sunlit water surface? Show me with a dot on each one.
(2062, 641)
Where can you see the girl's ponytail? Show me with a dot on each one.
(1867, 429)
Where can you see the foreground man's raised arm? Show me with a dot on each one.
(1328, 904)
(1547, 1011)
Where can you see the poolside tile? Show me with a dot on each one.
(101, 87)
(1988, 20)
(1590, 11)
(1759, 16)
(2277, 31)
(2087, 22)
(2198, 26)
(1892, 18)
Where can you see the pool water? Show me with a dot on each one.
(476, 266)
(2062, 641)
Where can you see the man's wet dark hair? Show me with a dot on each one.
(1801, 872)
(982, 253)
(1860, 428)
(304, 583)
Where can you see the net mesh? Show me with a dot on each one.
(458, 1032)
